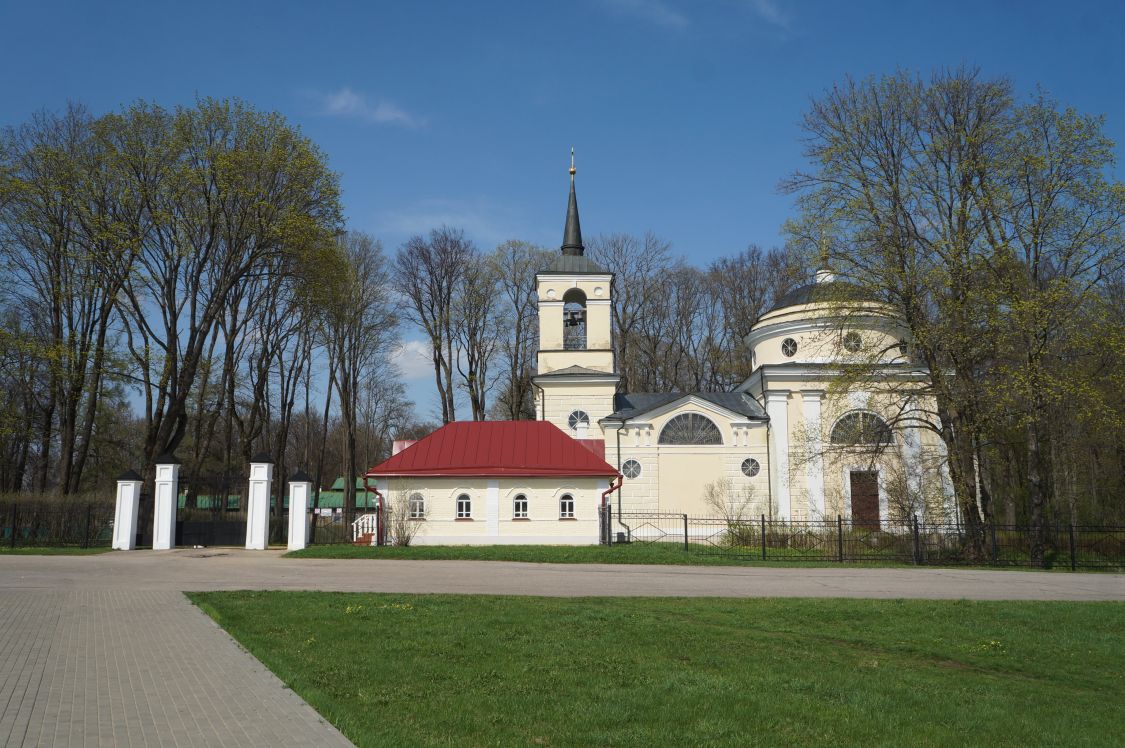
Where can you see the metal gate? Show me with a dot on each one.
(211, 511)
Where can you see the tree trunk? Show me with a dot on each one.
(1036, 494)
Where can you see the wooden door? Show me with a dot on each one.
(865, 498)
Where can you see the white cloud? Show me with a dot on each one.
(653, 11)
(348, 103)
(484, 221)
(413, 360)
(768, 11)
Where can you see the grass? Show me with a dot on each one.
(475, 670)
(633, 553)
(67, 550)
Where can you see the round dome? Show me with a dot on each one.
(827, 292)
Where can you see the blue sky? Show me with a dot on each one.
(684, 113)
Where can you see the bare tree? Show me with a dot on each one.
(515, 264)
(427, 272)
(360, 328)
(403, 515)
(639, 267)
(224, 189)
(479, 332)
(68, 248)
(894, 188)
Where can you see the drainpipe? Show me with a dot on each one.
(605, 501)
(378, 509)
(769, 464)
(621, 425)
(605, 494)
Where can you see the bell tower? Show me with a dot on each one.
(577, 378)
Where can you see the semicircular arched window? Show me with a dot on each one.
(574, 320)
(861, 428)
(690, 428)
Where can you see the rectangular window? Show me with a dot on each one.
(417, 506)
(519, 507)
(566, 507)
(464, 507)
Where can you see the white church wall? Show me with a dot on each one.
(674, 478)
(593, 399)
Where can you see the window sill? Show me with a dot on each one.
(521, 519)
(568, 519)
(417, 519)
(463, 519)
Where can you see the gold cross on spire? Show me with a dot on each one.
(572, 169)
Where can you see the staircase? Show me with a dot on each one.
(364, 529)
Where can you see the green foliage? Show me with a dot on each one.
(993, 228)
(137, 244)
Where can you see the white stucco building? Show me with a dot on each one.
(800, 439)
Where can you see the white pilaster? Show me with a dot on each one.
(258, 505)
(299, 491)
(951, 510)
(166, 492)
(814, 467)
(912, 443)
(492, 508)
(125, 516)
(777, 408)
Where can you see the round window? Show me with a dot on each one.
(576, 418)
(631, 469)
(853, 342)
(789, 347)
(750, 467)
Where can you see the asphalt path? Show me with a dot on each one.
(236, 569)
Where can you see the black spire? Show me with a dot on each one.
(572, 235)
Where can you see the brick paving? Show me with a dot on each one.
(114, 667)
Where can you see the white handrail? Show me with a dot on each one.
(365, 524)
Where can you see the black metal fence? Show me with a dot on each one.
(912, 541)
(86, 525)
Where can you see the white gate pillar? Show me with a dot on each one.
(125, 516)
(166, 496)
(258, 505)
(300, 486)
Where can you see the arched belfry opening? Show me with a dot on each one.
(574, 320)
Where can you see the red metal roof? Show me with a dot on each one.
(492, 448)
(597, 446)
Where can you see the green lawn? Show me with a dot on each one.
(634, 553)
(53, 550)
(474, 670)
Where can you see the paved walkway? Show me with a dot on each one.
(112, 667)
(106, 650)
(233, 569)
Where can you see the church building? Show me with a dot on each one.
(792, 442)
